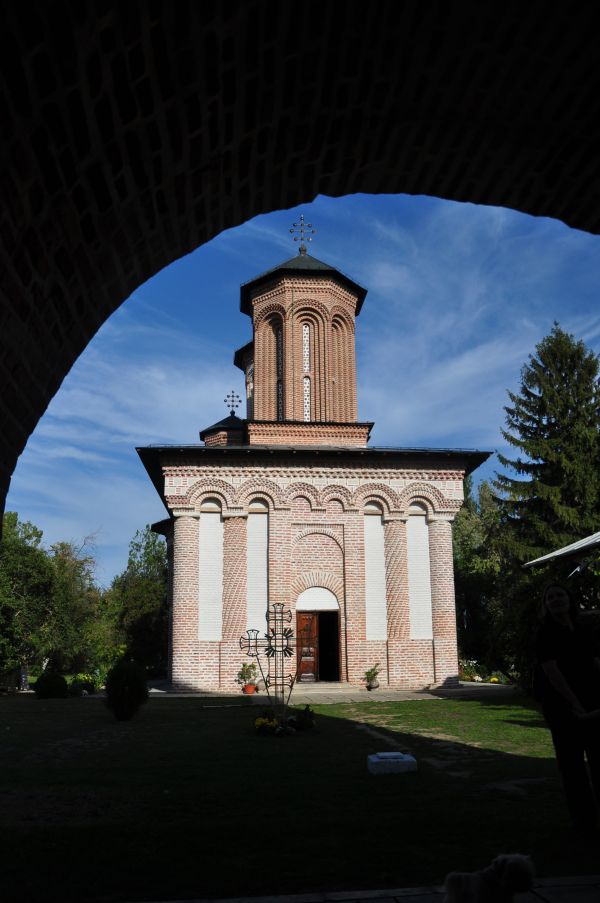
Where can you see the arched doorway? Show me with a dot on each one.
(318, 632)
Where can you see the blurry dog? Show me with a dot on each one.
(498, 883)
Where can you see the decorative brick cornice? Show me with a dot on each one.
(298, 433)
(303, 490)
(262, 488)
(376, 492)
(205, 488)
(179, 480)
(430, 495)
(341, 471)
(338, 493)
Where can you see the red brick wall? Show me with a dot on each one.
(187, 671)
(296, 433)
(316, 538)
(329, 310)
(443, 611)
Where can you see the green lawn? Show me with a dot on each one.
(185, 800)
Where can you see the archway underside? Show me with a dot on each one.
(135, 132)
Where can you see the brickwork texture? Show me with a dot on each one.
(316, 539)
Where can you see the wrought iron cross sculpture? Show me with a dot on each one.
(232, 401)
(306, 232)
(276, 645)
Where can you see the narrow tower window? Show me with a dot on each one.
(250, 391)
(306, 398)
(306, 347)
(279, 342)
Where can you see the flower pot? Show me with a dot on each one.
(372, 685)
(249, 689)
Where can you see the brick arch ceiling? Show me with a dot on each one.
(132, 132)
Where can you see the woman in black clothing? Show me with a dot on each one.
(568, 686)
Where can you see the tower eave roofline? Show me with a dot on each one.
(300, 265)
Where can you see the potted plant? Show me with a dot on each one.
(247, 677)
(370, 677)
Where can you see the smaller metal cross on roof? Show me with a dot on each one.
(306, 231)
(232, 401)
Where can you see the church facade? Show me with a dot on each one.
(290, 504)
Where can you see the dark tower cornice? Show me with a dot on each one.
(300, 265)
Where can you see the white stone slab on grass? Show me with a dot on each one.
(391, 763)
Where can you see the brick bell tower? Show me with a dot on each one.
(290, 505)
(300, 367)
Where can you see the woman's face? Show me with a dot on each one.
(557, 601)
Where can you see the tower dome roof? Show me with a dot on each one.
(300, 265)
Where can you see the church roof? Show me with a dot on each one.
(227, 423)
(301, 265)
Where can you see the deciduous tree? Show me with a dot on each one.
(138, 597)
(476, 570)
(26, 580)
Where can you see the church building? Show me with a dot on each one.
(290, 504)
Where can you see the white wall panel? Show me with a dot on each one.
(210, 602)
(375, 590)
(257, 570)
(419, 578)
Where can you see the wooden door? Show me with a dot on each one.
(307, 632)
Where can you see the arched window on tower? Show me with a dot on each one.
(279, 353)
(306, 347)
(306, 353)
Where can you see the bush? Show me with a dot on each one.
(80, 684)
(51, 685)
(126, 689)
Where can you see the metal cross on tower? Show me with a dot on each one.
(276, 646)
(232, 401)
(306, 232)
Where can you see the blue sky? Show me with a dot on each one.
(458, 297)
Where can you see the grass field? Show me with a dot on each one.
(186, 801)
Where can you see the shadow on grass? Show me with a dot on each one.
(185, 801)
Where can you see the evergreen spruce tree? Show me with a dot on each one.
(553, 496)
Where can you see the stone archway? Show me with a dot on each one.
(135, 132)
